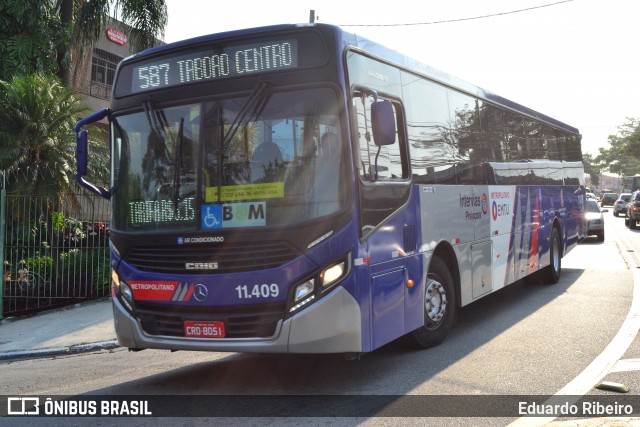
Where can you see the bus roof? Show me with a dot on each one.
(382, 52)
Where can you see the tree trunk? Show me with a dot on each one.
(66, 16)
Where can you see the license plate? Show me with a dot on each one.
(204, 329)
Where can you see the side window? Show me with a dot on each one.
(569, 147)
(551, 142)
(432, 158)
(386, 163)
(493, 123)
(384, 170)
(574, 153)
(534, 140)
(464, 138)
(514, 137)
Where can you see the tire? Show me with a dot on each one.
(439, 306)
(601, 236)
(632, 223)
(551, 273)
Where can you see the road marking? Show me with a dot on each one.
(605, 361)
(626, 365)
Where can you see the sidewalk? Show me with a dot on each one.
(75, 329)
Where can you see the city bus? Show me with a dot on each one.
(630, 183)
(302, 189)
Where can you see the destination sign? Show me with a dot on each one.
(213, 64)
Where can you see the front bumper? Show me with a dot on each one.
(332, 325)
(595, 228)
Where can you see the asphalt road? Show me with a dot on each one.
(528, 339)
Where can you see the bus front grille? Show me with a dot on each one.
(196, 259)
(254, 321)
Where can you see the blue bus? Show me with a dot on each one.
(630, 183)
(302, 189)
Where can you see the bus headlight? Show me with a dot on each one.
(314, 287)
(303, 290)
(115, 283)
(127, 295)
(332, 274)
(122, 291)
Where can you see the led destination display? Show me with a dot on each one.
(215, 64)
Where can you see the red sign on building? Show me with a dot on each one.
(117, 36)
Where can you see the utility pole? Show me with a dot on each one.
(312, 16)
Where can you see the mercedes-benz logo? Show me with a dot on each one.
(201, 292)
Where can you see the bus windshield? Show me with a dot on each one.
(266, 159)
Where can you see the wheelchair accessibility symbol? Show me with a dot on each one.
(211, 216)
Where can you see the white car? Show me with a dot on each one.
(620, 205)
(595, 219)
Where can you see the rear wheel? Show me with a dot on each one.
(439, 306)
(551, 273)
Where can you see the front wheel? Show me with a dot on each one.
(439, 306)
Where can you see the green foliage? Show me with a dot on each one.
(36, 36)
(623, 155)
(30, 35)
(41, 265)
(37, 144)
(147, 19)
(591, 168)
(62, 251)
(57, 219)
(87, 266)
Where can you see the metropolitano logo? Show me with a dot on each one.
(23, 406)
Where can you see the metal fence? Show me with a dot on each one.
(53, 255)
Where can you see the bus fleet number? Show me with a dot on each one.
(258, 291)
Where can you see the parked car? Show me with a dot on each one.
(608, 199)
(591, 196)
(620, 205)
(595, 219)
(632, 216)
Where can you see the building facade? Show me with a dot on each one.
(608, 183)
(93, 69)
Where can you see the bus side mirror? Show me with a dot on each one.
(383, 123)
(81, 153)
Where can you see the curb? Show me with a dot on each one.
(58, 351)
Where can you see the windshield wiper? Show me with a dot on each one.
(252, 108)
(155, 120)
(178, 163)
(157, 124)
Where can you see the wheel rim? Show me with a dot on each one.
(556, 255)
(435, 304)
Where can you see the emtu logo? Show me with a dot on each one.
(498, 210)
